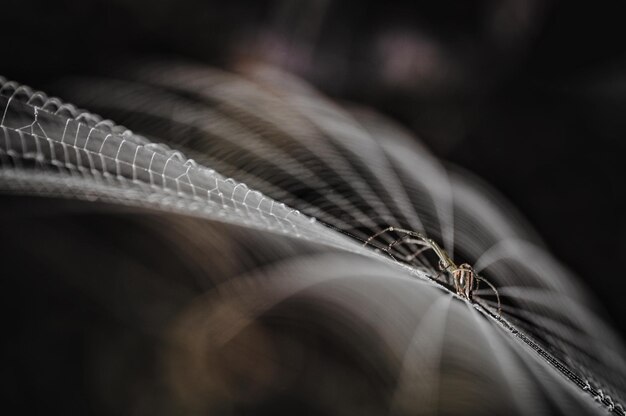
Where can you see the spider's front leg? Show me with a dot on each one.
(409, 239)
(381, 232)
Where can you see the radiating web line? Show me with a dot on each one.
(347, 133)
(109, 174)
(425, 346)
(342, 226)
(508, 367)
(200, 118)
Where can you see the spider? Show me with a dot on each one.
(465, 278)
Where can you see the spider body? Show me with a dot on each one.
(465, 279)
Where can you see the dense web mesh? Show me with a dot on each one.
(273, 155)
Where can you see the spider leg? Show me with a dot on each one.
(386, 230)
(444, 259)
(412, 233)
(378, 234)
(419, 239)
(391, 255)
(411, 240)
(416, 253)
(385, 249)
(406, 256)
(445, 262)
(436, 277)
(494, 291)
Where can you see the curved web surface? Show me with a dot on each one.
(312, 180)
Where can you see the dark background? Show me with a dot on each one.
(530, 95)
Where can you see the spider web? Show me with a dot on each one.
(269, 137)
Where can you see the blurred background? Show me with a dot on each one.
(528, 94)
